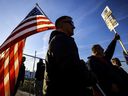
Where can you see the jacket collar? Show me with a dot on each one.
(54, 33)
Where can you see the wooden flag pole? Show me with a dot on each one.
(121, 43)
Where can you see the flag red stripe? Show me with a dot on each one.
(26, 35)
(2, 77)
(12, 48)
(6, 71)
(6, 68)
(12, 78)
(45, 28)
(7, 89)
(20, 53)
(28, 26)
(15, 40)
(11, 68)
(32, 19)
(6, 75)
(16, 67)
(36, 17)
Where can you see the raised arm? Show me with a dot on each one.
(111, 47)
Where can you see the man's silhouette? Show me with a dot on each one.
(20, 76)
(39, 78)
(67, 74)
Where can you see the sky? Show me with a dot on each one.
(90, 27)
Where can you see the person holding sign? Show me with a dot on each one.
(100, 64)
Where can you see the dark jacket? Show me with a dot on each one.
(124, 77)
(21, 73)
(103, 69)
(39, 75)
(67, 75)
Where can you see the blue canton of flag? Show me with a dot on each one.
(34, 22)
(34, 12)
(11, 50)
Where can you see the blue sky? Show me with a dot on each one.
(86, 14)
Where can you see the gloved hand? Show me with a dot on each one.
(117, 37)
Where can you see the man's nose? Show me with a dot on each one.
(73, 27)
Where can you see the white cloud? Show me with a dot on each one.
(43, 50)
(86, 11)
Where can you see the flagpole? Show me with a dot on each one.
(41, 10)
(121, 43)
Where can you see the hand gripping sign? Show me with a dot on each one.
(111, 23)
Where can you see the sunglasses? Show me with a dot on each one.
(70, 22)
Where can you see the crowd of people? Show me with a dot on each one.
(66, 74)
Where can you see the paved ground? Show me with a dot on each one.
(21, 93)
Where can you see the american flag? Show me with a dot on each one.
(33, 23)
(11, 50)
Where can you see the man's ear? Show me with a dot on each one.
(94, 52)
(62, 25)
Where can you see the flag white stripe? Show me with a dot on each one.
(16, 65)
(33, 17)
(26, 26)
(16, 62)
(6, 79)
(2, 55)
(30, 18)
(30, 22)
(45, 25)
(26, 31)
(6, 62)
(15, 48)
